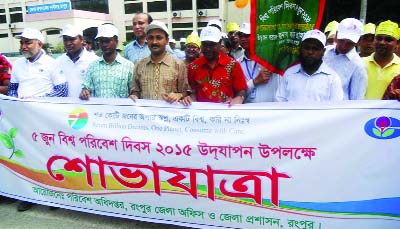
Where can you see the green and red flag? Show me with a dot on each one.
(277, 27)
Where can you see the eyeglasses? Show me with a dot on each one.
(384, 38)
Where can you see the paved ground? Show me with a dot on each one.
(41, 217)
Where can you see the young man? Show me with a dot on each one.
(109, 76)
(344, 58)
(261, 83)
(5, 70)
(32, 74)
(366, 42)
(311, 79)
(215, 77)
(192, 50)
(73, 64)
(160, 76)
(383, 65)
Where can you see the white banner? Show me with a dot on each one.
(269, 165)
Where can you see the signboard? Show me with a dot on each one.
(277, 29)
(45, 8)
(269, 165)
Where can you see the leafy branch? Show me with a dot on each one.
(8, 141)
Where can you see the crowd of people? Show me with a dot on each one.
(348, 61)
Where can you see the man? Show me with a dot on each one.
(236, 51)
(215, 77)
(383, 65)
(330, 32)
(311, 79)
(344, 59)
(32, 74)
(192, 50)
(73, 64)
(261, 83)
(138, 49)
(5, 70)
(109, 76)
(177, 52)
(366, 42)
(159, 76)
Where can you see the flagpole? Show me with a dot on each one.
(363, 11)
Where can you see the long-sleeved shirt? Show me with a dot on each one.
(322, 85)
(351, 70)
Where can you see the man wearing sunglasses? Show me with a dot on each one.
(383, 65)
(344, 59)
(111, 75)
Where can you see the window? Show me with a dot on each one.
(53, 32)
(131, 8)
(3, 35)
(207, 4)
(100, 6)
(2, 11)
(157, 6)
(181, 34)
(3, 19)
(181, 5)
(16, 17)
(182, 25)
(15, 9)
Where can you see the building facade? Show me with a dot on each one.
(49, 16)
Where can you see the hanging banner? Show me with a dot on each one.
(268, 165)
(277, 27)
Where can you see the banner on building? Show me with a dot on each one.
(269, 165)
(277, 27)
(46, 8)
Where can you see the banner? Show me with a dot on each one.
(269, 165)
(277, 27)
(46, 8)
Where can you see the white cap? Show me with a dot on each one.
(350, 28)
(245, 28)
(195, 33)
(315, 34)
(182, 40)
(215, 22)
(210, 33)
(71, 31)
(30, 33)
(172, 40)
(107, 30)
(156, 25)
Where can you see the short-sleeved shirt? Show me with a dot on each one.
(351, 70)
(322, 85)
(105, 80)
(135, 52)
(74, 72)
(219, 83)
(154, 79)
(35, 79)
(260, 93)
(379, 78)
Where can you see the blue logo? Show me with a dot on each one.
(383, 127)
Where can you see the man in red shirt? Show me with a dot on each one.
(5, 68)
(215, 77)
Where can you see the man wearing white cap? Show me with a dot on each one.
(73, 64)
(111, 75)
(177, 52)
(160, 76)
(344, 59)
(215, 77)
(261, 83)
(311, 79)
(31, 75)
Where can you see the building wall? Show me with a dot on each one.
(180, 25)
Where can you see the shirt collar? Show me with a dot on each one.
(395, 60)
(167, 60)
(136, 43)
(38, 58)
(323, 68)
(118, 59)
(78, 57)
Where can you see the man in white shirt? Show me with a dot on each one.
(261, 83)
(31, 75)
(73, 64)
(344, 58)
(311, 79)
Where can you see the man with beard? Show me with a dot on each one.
(344, 59)
(215, 77)
(261, 83)
(73, 64)
(192, 51)
(109, 76)
(383, 65)
(236, 51)
(311, 79)
(366, 42)
(160, 76)
(32, 74)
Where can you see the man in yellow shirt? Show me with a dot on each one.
(382, 65)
